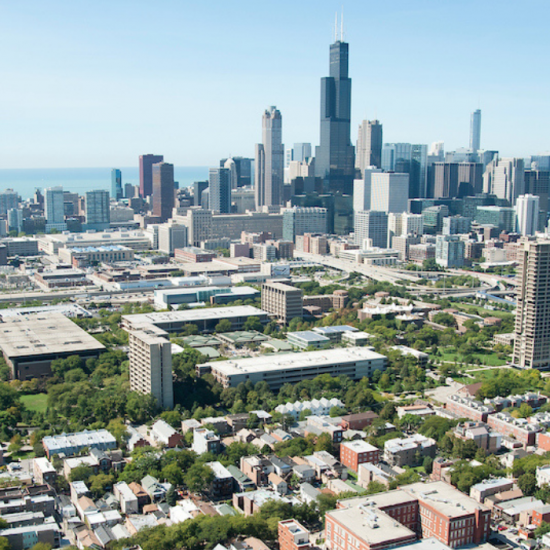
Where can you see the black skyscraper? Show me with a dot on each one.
(334, 157)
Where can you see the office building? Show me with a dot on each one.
(30, 343)
(432, 219)
(230, 165)
(8, 199)
(146, 173)
(53, 209)
(527, 214)
(537, 183)
(130, 190)
(171, 236)
(505, 178)
(282, 301)
(389, 192)
(354, 362)
(409, 159)
(475, 131)
(362, 190)
(452, 179)
(220, 190)
(116, 184)
(532, 330)
(298, 221)
(15, 219)
(335, 157)
(198, 188)
(244, 168)
(449, 251)
(163, 194)
(503, 217)
(300, 152)
(371, 226)
(269, 161)
(98, 212)
(151, 364)
(369, 145)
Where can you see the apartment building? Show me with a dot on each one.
(355, 453)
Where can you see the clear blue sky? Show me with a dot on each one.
(97, 83)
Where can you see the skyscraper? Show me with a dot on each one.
(269, 161)
(505, 178)
(220, 190)
(146, 173)
(532, 330)
(411, 159)
(369, 145)
(335, 157)
(373, 226)
(389, 192)
(116, 184)
(98, 215)
(527, 214)
(475, 131)
(163, 190)
(362, 190)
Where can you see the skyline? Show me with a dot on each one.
(96, 86)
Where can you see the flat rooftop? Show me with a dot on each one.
(309, 336)
(44, 334)
(189, 316)
(295, 360)
(371, 525)
(360, 446)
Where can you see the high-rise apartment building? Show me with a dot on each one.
(146, 173)
(475, 131)
(269, 161)
(98, 212)
(8, 199)
(532, 330)
(373, 227)
(301, 220)
(335, 157)
(389, 192)
(151, 364)
(220, 190)
(369, 145)
(456, 225)
(505, 178)
(163, 190)
(54, 210)
(449, 251)
(116, 184)
(283, 301)
(527, 214)
(412, 224)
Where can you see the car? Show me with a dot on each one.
(502, 527)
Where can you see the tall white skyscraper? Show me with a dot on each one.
(232, 167)
(373, 226)
(362, 189)
(389, 192)
(269, 158)
(475, 131)
(527, 214)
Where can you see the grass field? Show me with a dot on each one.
(35, 403)
(488, 359)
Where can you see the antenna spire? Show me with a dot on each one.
(336, 27)
(342, 26)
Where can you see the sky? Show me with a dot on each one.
(94, 84)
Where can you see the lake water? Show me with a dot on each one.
(80, 180)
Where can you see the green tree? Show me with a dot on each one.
(81, 473)
(41, 546)
(223, 326)
(101, 483)
(528, 484)
(253, 323)
(198, 477)
(4, 544)
(172, 473)
(542, 529)
(171, 497)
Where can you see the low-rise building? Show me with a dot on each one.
(480, 491)
(358, 421)
(163, 433)
(480, 434)
(43, 471)
(206, 441)
(72, 444)
(409, 451)
(222, 485)
(354, 453)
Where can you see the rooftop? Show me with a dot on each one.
(294, 360)
(41, 334)
(360, 446)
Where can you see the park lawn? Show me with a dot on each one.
(486, 359)
(481, 311)
(35, 403)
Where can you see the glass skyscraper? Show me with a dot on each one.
(334, 157)
(116, 184)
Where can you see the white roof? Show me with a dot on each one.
(359, 446)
